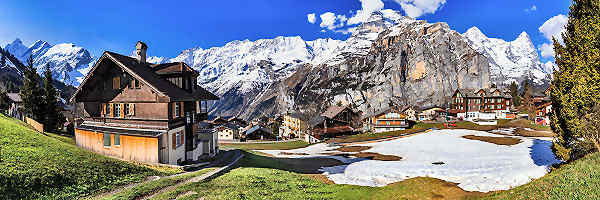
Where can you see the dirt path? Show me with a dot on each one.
(153, 178)
(237, 155)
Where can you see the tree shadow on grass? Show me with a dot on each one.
(541, 153)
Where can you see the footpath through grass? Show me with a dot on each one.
(36, 166)
(153, 186)
(266, 146)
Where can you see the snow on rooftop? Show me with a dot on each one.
(474, 165)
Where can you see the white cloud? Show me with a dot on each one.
(367, 7)
(417, 8)
(312, 18)
(554, 26)
(413, 8)
(549, 66)
(533, 8)
(547, 50)
(331, 21)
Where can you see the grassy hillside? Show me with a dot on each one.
(34, 165)
(260, 177)
(577, 180)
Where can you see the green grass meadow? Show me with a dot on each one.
(38, 166)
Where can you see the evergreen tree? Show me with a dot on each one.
(52, 117)
(2, 59)
(576, 84)
(4, 100)
(514, 92)
(32, 94)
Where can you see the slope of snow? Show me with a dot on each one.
(249, 65)
(473, 164)
(509, 61)
(66, 60)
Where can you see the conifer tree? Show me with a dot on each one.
(31, 93)
(4, 100)
(576, 85)
(514, 92)
(3, 58)
(52, 117)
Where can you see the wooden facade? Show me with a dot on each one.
(144, 149)
(385, 120)
(470, 103)
(155, 107)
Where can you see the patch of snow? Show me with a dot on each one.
(474, 165)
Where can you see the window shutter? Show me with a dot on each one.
(181, 109)
(174, 140)
(181, 138)
(122, 111)
(111, 111)
(132, 109)
(117, 82)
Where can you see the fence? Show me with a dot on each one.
(36, 125)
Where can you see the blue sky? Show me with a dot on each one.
(169, 27)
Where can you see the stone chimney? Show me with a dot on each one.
(140, 50)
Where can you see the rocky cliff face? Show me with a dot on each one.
(411, 63)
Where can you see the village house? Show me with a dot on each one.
(335, 121)
(228, 131)
(543, 114)
(430, 113)
(385, 120)
(15, 108)
(410, 112)
(291, 125)
(257, 132)
(470, 104)
(136, 110)
(237, 121)
(219, 121)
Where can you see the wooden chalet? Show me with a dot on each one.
(385, 120)
(335, 121)
(481, 103)
(15, 106)
(145, 112)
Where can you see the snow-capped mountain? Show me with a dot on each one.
(249, 65)
(512, 61)
(67, 61)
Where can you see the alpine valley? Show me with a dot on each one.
(389, 59)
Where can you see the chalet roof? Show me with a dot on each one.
(544, 105)
(145, 73)
(316, 121)
(219, 118)
(333, 111)
(379, 112)
(230, 126)
(256, 129)
(15, 97)
(170, 68)
(472, 93)
(295, 115)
